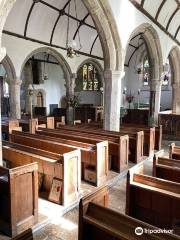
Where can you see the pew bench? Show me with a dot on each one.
(97, 221)
(153, 200)
(49, 121)
(166, 168)
(118, 146)
(18, 198)
(174, 151)
(136, 139)
(65, 167)
(158, 133)
(8, 126)
(94, 158)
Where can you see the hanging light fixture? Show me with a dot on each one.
(45, 72)
(71, 44)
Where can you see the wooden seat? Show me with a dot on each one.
(95, 156)
(8, 126)
(152, 200)
(118, 145)
(174, 151)
(96, 221)
(166, 168)
(65, 167)
(136, 139)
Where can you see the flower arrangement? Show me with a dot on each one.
(129, 99)
(73, 101)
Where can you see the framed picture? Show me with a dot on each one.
(56, 190)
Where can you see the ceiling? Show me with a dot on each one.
(164, 13)
(136, 45)
(46, 22)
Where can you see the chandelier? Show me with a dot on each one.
(71, 44)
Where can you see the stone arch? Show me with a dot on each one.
(104, 21)
(61, 60)
(153, 45)
(9, 67)
(174, 58)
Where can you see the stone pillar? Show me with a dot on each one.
(155, 100)
(176, 97)
(70, 94)
(15, 106)
(2, 55)
(112, 99)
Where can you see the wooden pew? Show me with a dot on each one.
(94, 157)
(18, 198)
(118, 146)
(96, 221)
(166, 168)
(130, 129)
(26, 235)
(152, 200)
(9, 125)
(158, 133)
(29, 125)
(49, 121)
(136, 139)
(65, 167)
(174, 151)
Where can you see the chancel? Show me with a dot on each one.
(90, 119)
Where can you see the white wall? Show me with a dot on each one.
(90, 97)
(133, 81)
(53, 89)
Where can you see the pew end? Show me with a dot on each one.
(99, 196)
(17, 185)
(71, 177)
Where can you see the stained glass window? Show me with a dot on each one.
(166, 74)
(146, 71)
(90, 77)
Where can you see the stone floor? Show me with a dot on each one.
(66, 227)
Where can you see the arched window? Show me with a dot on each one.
(39, 99)
(88, 78)
(166, 75)
(146, 71)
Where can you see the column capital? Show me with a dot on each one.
(17, 82)
(155, 85)
(109, 73)
(74, 75)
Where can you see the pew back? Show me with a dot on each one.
(155, 201)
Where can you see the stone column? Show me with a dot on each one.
(112, 99)
(70, 94)
(155, 100)
(15, 90)
(2, 55)
(176, 98)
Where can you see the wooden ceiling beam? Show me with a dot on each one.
(159, 9)
(138, 6)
